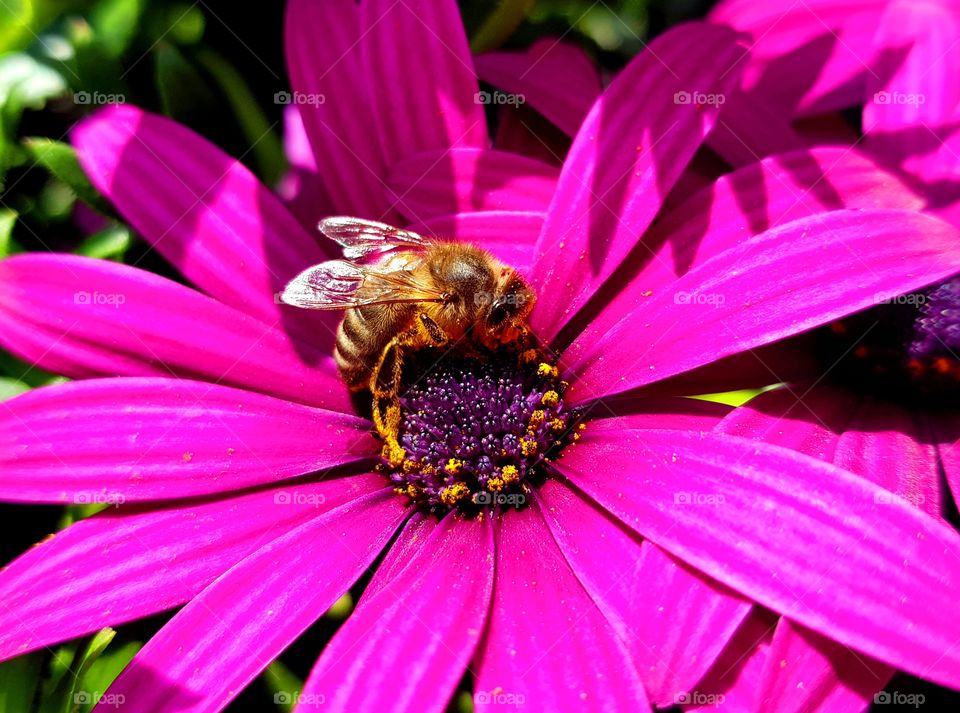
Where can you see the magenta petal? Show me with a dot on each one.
(631, 149)
(672, 412)
(201, 209)
(82, 317)
(797, 535)
(673, 621)
(739, 205)
(116, 440)
(777, 284)
(912, 95)
(126, 564)
(544, 629)
(203, 657)
(946, 430)
(458, 180)
(330, 82)
(805, 671)
(810, 57)
(407, 546)
(510, 235)
(422, 628)
(424, 84)
(879, 441)
(533, 76)
(749, 129)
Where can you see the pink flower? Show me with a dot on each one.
(220, 429)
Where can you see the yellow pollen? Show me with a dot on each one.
(510, 474)
(410, 466)
(527, 446)
(411, 491)
(389, 427)
(495, 485)
(544, 369)
(451, 494)
(453, 466)
(536, 418)
(551, 398)
(529, 356)
(557, 424)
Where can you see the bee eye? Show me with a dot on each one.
(498, 313)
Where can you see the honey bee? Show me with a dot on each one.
(403, 292)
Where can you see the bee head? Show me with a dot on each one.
(510, 301)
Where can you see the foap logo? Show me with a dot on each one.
(914, 299)
(699, 98)
(685, 498)
(499, 98)
(296, 698)
(86, 698)
(696, 698)
(114, 299)
(498, 697)
(296, 497)
(713, 299)
(98, 98)
(896, 698)
(886, 497)
(901, 98)
(99, 498)
(299, 98)
(508, 499)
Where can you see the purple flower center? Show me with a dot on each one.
(906, 349)
(475, 433)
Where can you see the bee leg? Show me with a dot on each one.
(432, 331)
(385, 386)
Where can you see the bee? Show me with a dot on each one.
(403, 292)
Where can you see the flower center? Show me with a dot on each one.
(473, 433)
(906, 349)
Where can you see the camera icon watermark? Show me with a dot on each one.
(887, 698)
(99, 498)
(914, 299)
(114, 299)
(299, 98)
(899, 98)
(98, 98)
(485, 497)
(296, 497)
(499, 98)
(696, 698)
(699, 98)
(290, 698)
(498, 697)
(709, 499)
(713, 299)
(84, 698)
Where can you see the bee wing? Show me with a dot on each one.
(341, 284)
(360, 238)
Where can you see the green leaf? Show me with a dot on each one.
(105, 669)
(69, 689)
(9, 388)
(115, 24)
(16, 19)
(60, 160)
(283, 684)
(257, 129)
(27, 373)
(8, 219)
(108, 244)
(184, 93)
(500, 24)
(19, 678)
